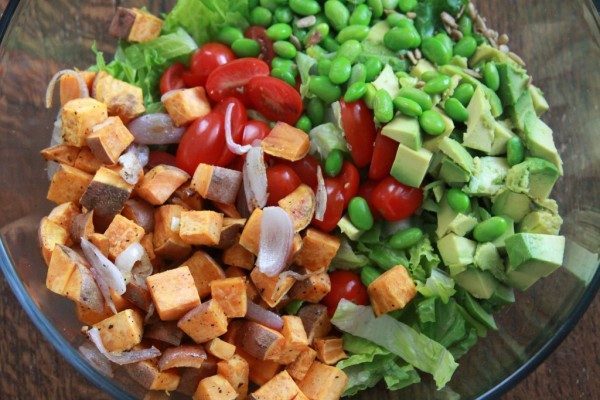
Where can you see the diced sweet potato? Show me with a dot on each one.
(100, 241)
(139, 295)
(238, 256)
(87, 161)
(201, 227)
(271, 289)
(220, 349)
(191, 377)
(122, 233)
(315, 320)
(174, 293)
(82, 226)
(50, 234)
(122, 331)
(147, 374)
(295, 339)
(280, 387)
(62, 154)
(392, 290)
(323, 382)
(302, 363)
(187, 197)
(250, 238)
(287, 142)
(215, 388)
(139, 212)
(230, 232)
(260, 341)
(106, 194)
(160, 183)
(312, 289)
(167, 242)
(236, 371)
(63, 214)
(63, 263)
(90, 317)
(330, 350)
(78, 117)
(69, 86)
(204, 270)
(186, 105)
(230, 293)
(217, 183)
(190, 356)
(318, 249)
(135, 25)
(68, 185)
(301, 396)
(164, 331)
(121, 98)
(109, 139)
(205, 322)
(229, 210)
(300, 205)
(261, 371)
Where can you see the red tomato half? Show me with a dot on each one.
(238, 120)
(202, 142)
(335, 206)
(359, 127)
(161, 158)
(275, 99)
(384, 155)
(205, 60)
(282, 181)
(396, 201)
(229, 80)
(345, 285)
(254, 130)
(306, 169)
(172, 79)
(349, 178)
(259, 34)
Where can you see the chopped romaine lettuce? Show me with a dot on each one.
(305, 64)
(437, 285)
(325, 138)
(429, 11)
(346, 258)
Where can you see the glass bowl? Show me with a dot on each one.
(558, 39)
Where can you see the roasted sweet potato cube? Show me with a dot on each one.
(173, 292)
(62, 154)
(122, 233)
(121, 98)
(139, 212)
(186, 105)
(106, 194)
(122, 331)
(87, 161)
(295, 339)
(90, 317)
(260, 341)
(187, 197)
(318, 249)
(220, 349)
(69, 86)
(165, 331)
(186, 356)
(280, 387)
(301, 396)
(204, 269)
(238, 256)
(63, 263)
(300, 205)
(78, 116)
(330, 350)
(230, 293)
(287, 142)
(271, 289)
(316, 321)
(205, 322)
(82, 226)
(250, 238)
(160, 183)
(236, 371)
(230, 232)
(49, 235)
(135, 25)
(82, 289)
(147, 374)
(63, 214)
(323, 382)
(392, 290)
(229, 210)
(215, 388)
(109, 139)
(167, 242)
(300, 366)
(217, 183)
(191, 377)
(68, 185)
(312, 289)
(201, 227)
(261, 371)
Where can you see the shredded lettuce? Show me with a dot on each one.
(305, 64)
(437, 285)
(346, 258)
(383, 255)
(422, 259)
(325, 138)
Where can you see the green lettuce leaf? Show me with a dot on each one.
(428, 12)
(448, 325)
(346, 258)
(437, 285)
(325, 138)
(383, 255)
(304, 63)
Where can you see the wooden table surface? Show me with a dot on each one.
(31, 369)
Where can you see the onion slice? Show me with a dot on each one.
(155, 129)
(104, 289)
(83, 89)
(141, 270)
(128, 257)
(263, 316)
(105, 268)
(321, 196)
(276, 237)
(231, 145)
(255, 179)
(96, 359)
(133, 162)
(128, 357)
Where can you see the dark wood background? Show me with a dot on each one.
(31, 369)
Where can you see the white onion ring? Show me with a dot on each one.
(104, 289)
(83, 89)
(231, 145)
(127, 357)
(96, 359)
(149, 314)
(128, 257)
(263, 316)
(297, 276)
(276, 238)
(255, 179)
(133, 162)
(321, 196)
(156, 129)
(106, 269)
(141, 270)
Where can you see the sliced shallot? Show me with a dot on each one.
(263, 316)
(107, 270)
(231, 145)
(83, 89)
(155, 129)
(255, 179)
(128, 257)
(127, 357)
(276, 237)
(141, 270)
(104, 289)
(321, 196)
(133, 162)
(96, 359)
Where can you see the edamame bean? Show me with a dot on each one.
(279, 31)
(355, 92)
(432, 122)
(228, 35)
(283, 15)
(246, 48)
(337, 14)
(285, 75)
(360, 213)
(490, 229)
(404, 38)
(491, 77)
(361, 15)
(406, 238)
(324, 89)
(315, 111)
(400, 21)
(353, 32)
(407, 5)
(330, 44)
(383, 106)
(465, 47)
(437, 85)
(368, 275)
(458, 200)
(456, 110)
(377, 7)
(408, 107)
(446, 41)
(261, 16)
(389, 4)
(350, 49)
(515, 151)
(253, 4)
(334, 162)
(316, 34)
(463, 93)
(283, 63)
(324, 66)
(436, 51)
(305, 7)
(418, 96)
(285, 49)
(373, 67)
(465, 25)
(359, 74)
(304, 124)
(429, 75)
(370, 95)
(269, 4)
(340, 71)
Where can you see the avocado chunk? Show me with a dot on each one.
(387, 81)
(437, 188)
(534, 176)
(348, 228)
(486, 53)
(539, 101)
(432, 143)
(422, 66)
(457, 153)
(487, 258)
(500, 243)
(377, 32)
(541, 221)
(410, 166)
(513, 82)
(452, 173)
(502, 134)
(457, 252)
(502, 295)
(540, 142)
(478, 312)
(489, 175)
(480, 125)
(404, 130)
(450, 221)
(436, 164)
(520, 111)
(496, 107)
(514, 205)
(480, 284)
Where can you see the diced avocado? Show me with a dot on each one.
(514, 205)
(510, 230)
(521, 110)
(502, 295)
(486, 53)
(450, 221)
(480, 125)
(521, 280)
(540, 142)
(496, 107)
(487, 258)
(460, 61)
(387, 81)
(478, 312)
(377, 32)
(404, 130)
(422, 66)
(534, 176)
(513, 82)
(454, 82)
(451, 173)
(536, 253)
(348, 228)
(457, 153)
(432, 142)
(541, 221)
(489, 174)
(502, 134)
(430, 205)
(539, 101)
(480, 284)
(437, 187)
(456, 250)
(436, 164)
(410, 166)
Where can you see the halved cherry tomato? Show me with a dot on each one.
(306, 169)
(205, 60)
(238, 121)
(396, 201)
(335, 206)
(359, 127)
(230, 79)
(282, 181)
(349, 178)
(161, 158)
(191, 80)
(345, 285)
(366, 192)
(259, 34)
(254, 130)
(202, 142)
(384, 154)
(275, 99)
(172, 79)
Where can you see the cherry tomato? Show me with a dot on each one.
(238, 121)
(254, 130)
(192, 80)
(230, 79)
(282, 181)
(396, 201)
(202, 142)
(206, 59)
(306, 169)
(335, 206)
(275, 99)
(384, 154)
(259, 34)
(359, 127)
(366, 192)
(345, 285)
(349, 178)
(161, 158)
(172, 79)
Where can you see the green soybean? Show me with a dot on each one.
(283, 15)
(408, 107)
(270, 4)
(334, 162)
(398, 20)
(465, 47)
(305, 7)
(353, 32)
(373, 67)
(465, 25)
(285, 75)
(285, 49)
(315, 111)
(490, 229)
(246, 48)
(491, 77)
(456, 110)
(464, 93)
(389, 4)
(337, 14)
(429, 75)
(406, 238)
(261, 16)
(369, 274)
(252, 4)
(355, 92)
(418, 96)
(437, 85)
(436, 50)
(330, 44)
(324, 66)
(316, 34)
(361, 15)
(360, 213)
(324, 89)
(404, 38)
(407, 5)
(228, 35)
(340, 70)
(370, 95)
(377, 7)
(458, 200)
(359, 74)
(304, 124)
(279, 31)
(432, 122)
(446, 41)
(383, 106)
(284, 63)
(350, 49)
(515, 151)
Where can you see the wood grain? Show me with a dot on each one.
(32, 369)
